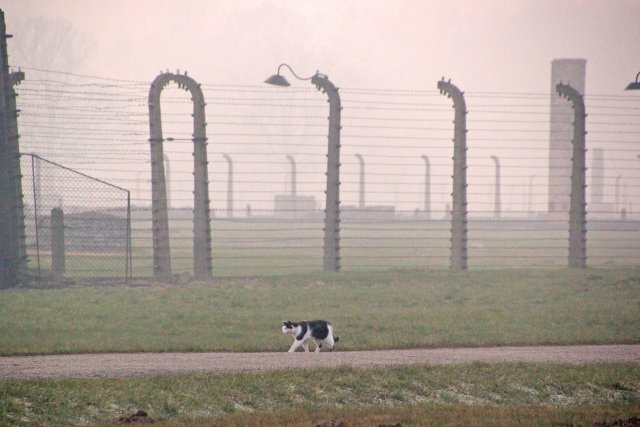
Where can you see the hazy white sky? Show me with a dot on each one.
(488, 45)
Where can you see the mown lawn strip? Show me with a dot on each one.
(369, 311)
(207, 397)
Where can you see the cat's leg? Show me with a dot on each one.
(305, 345)
(318, 345)
(295, 346)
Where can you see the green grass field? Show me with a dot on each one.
(370, 310)
(374, 310)
(243, 248)
(473, 394)
(271, 246)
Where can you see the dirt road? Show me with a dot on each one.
(135, 364)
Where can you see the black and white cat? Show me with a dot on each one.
(318, 331)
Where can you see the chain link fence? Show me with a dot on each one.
(76, 226)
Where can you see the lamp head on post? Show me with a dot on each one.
(634, 85)
(279, 80)
(331, 256)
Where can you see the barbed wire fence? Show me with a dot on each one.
(267, 151)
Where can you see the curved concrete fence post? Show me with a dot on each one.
(201, 212)
(459, 194)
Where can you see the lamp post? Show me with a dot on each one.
(332, 200)
(634, 85)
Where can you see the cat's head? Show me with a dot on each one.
(289, 327)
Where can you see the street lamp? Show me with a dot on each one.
(634, 85)
(332, 200)
(279, 80)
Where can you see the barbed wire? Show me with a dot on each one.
(101, 125)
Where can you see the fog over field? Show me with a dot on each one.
(483, 46)
(458, 178)
(89, 66)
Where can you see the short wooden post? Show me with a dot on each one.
(57, 242)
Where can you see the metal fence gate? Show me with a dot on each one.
(76, 226)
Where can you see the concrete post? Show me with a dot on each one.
(129, 262)
(427, 187)
(361, 203)
(572, 70)
(459, 194)
(9, 247)
(597, 180)
(294, 185)
(616, 207)
(159, 209)
(35, 159)
(167, 168)
(202, 267)
(578, 206)
(201, 211)
(229, 185)
(497, 208)
(57, 242)
(531, 178)
(332, 200)
(16, 174)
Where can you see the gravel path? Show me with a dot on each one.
(136, 364)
